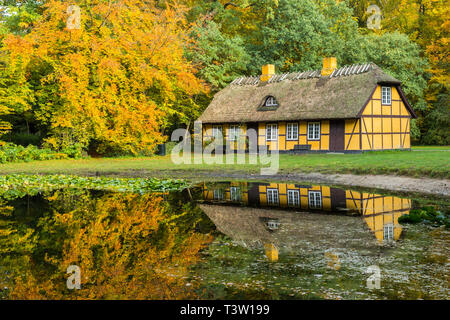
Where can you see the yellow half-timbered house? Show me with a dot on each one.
(349, 109)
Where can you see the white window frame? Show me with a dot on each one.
(315, 130)
(271, 102)
(272, 197)
(386, 95)
(273, 132)
(292, 131)
(235, 194)
(315, 199)
(218, 194)
(388, 232)
(293, 197)
(233, 132)
(273, 224)
(215, 131)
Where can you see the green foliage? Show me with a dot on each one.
(10, 152)
(437, 121)
(427, 214)
(220, 58)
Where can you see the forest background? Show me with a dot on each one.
(136, 70)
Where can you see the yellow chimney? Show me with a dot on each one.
(329, 65)
(271, 252)
(267, 72)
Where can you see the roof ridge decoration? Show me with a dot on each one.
(344, 71)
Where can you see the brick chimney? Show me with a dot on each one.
(268, 71)
(329, 65)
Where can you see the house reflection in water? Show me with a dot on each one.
(249, 212)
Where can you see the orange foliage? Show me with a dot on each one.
(115, 76)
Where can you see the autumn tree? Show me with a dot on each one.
(111, 83)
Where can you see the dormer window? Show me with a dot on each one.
(271, 102)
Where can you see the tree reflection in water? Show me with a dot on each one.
(128, 246)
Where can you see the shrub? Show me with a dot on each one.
(10, 152)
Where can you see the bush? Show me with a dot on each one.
(10, 152)
(426, 215)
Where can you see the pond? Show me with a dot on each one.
(221, 240)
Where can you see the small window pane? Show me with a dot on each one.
(234, 133)
(314, 131)
(271, 132)
(293, 198)
(386, 95)
(292, 131)
(315, 199)
(272, 196)
(235, 194)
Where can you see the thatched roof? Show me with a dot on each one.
(300, 95)
(297, 229)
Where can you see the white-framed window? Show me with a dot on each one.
(272, 196)
(218, 194)
(272, 132)
(388, 232)
(293, 198)
(235, 194)
(386, 95)
(273, 224)
(271, 102)
(315, 199)
(292, 131)
(234, 132)
(216, 130)
(313, 130)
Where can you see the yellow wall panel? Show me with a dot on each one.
(396, 141)
(387, 141)
(377, 142)
(396, 125)
(407, 143)
(303, 127)
(404, 111)
(387, 127)
(377, 125)
(377, 93)
(386, 110)
(376, 107)
(325, 145)
(395, 108)
(354, 142)
(314, 145)
(282, 128)
(395, 94)
(366, 125)
(325, 126)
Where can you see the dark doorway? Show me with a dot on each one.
(337, 135)
(338, 198)
(253, 126)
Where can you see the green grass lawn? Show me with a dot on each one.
(423, 161)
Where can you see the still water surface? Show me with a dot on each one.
(228, 240)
